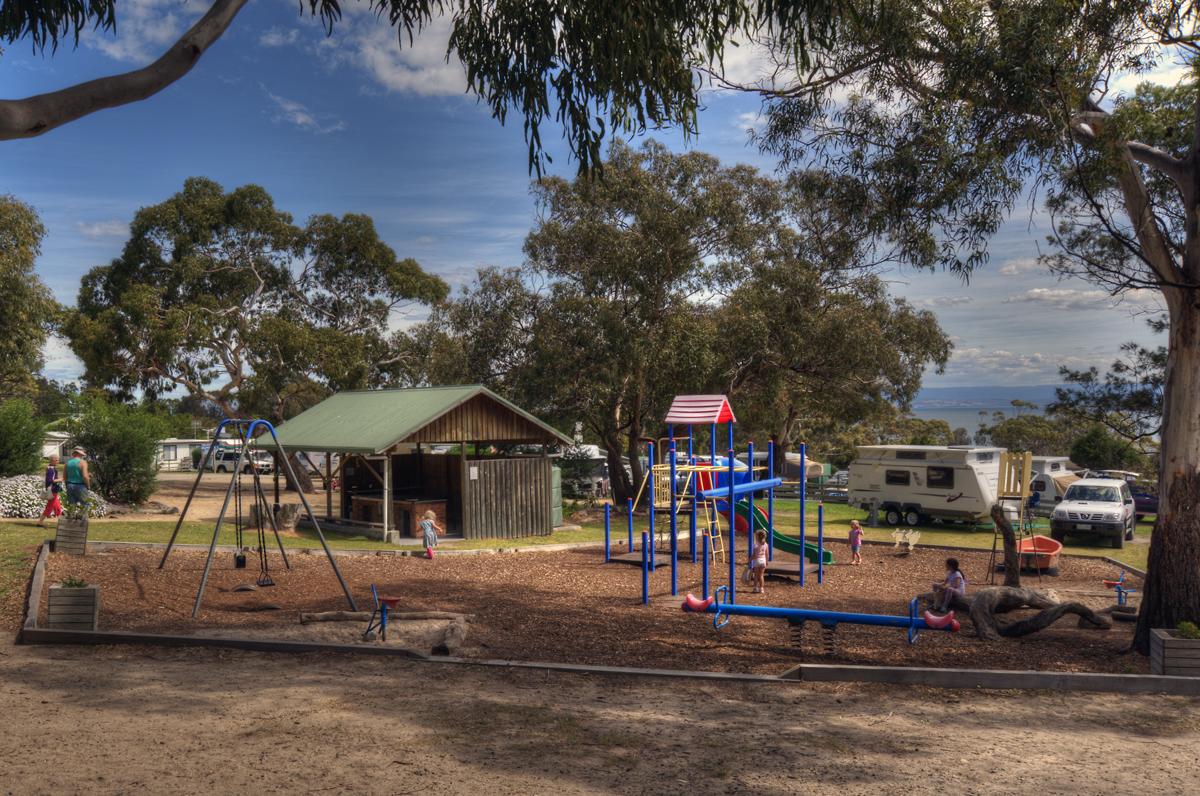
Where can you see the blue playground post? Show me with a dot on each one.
(732, 530)
(629, 512)
(693, 480)
(730, 424)
(650, 501)
(645, 572)
(712, 438)
(674, 525)
(803, 478)
(771, 500)
(607, 532)
(820, 543)
(750, 504)
(704, 564)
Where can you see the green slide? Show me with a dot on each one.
(788, 544)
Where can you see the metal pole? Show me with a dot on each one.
(212, 547)
(694, 480)
(803, 479)
(607, 532)
(750, 518)
(732, 531)
(771, 501)
(674, 524)
(312, 517)
(195, 485)
(262, 495)
(704, 564)
(650, 501)
(629, 513)
(645, 571)
(820, 543)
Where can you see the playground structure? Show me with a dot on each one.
(828, 620)
(717, 495)
(245, 431)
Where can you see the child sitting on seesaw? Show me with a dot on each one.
(758, 564)
(430, 530)
(955, 585)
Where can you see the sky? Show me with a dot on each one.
(355, 123)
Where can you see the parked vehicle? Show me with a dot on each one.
(225, 459)
(1144, 503)
(1102, 507)
(840, 478)
(1051, 478)
(914, 483)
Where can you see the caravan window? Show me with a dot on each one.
(910, 455)
(1055, 466)
(939, 477)
(1038, 486)
(983, 457)
(896, 477)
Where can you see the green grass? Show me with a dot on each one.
(837, 517)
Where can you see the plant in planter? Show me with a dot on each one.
(70, 536)
(73, 604)
(1176, 651)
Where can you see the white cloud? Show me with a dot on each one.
(943, 301)
(1021, 265)
(984, 366)
(1167, 74)
(298, 115)
(112, 228)
(61, 362)
(145, 28)
(750, 121)
(278, 37)
(373, 46)
(1062, 298)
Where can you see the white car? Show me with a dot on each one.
(225, 459)
(1098, 507)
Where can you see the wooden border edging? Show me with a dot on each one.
(997, 679)
(46, 636)
(33, 599)
(626, 671)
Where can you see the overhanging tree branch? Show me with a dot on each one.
(32, 116)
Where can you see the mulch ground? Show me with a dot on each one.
(571, 607)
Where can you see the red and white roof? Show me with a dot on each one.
(695, 410)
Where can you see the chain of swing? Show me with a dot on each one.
(261, 508)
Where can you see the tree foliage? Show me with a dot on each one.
(220, 294)
(20, 438)
(594, 66)
(1100, 449)
(27, 310)
(121, 441)
(1127, 400)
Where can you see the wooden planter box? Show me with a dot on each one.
(73, 609)
(71, 536)
(1172, 654)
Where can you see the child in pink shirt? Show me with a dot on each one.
(758, 563)
(856, 535)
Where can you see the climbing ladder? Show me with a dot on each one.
(712, 530)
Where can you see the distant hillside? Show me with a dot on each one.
(988, 397)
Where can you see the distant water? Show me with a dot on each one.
(960, 406)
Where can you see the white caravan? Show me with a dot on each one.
(913, 483)
(1051, 477)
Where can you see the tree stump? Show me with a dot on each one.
(452, 638)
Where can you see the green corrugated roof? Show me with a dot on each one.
(371, 421)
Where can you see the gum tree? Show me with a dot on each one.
(950, 114)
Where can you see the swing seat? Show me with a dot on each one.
(379, 615)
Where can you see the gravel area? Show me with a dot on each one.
(570, 607)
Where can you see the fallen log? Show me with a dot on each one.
(393, 616)
(984, 607)
(335, 616)
(453, 637)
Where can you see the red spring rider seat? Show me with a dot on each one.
(379, 615)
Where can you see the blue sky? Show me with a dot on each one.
(354, 123)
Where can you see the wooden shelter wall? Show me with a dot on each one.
(480, 420)
(510, 498)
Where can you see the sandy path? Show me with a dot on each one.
(173, 489)
(122, 719)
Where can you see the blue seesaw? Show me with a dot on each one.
(914, 622)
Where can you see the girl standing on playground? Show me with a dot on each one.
(856, 535)
(430, 530)
(955, 585)
(758, 565)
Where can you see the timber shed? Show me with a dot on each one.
(476, 460)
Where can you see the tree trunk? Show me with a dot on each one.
(987, 604)
(303, 481)
(1012, 561)
(635, 462)
(1171, 589)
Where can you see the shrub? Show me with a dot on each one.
(1188, 630)
(120, 441)
(21, 496)
(20, 438)
(72, 582)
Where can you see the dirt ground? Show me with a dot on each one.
(570, 607)
(122, 720)
(173, 489)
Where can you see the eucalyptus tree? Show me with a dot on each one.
(28, 312)
(950, 115)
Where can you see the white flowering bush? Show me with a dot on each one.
(21, 496)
